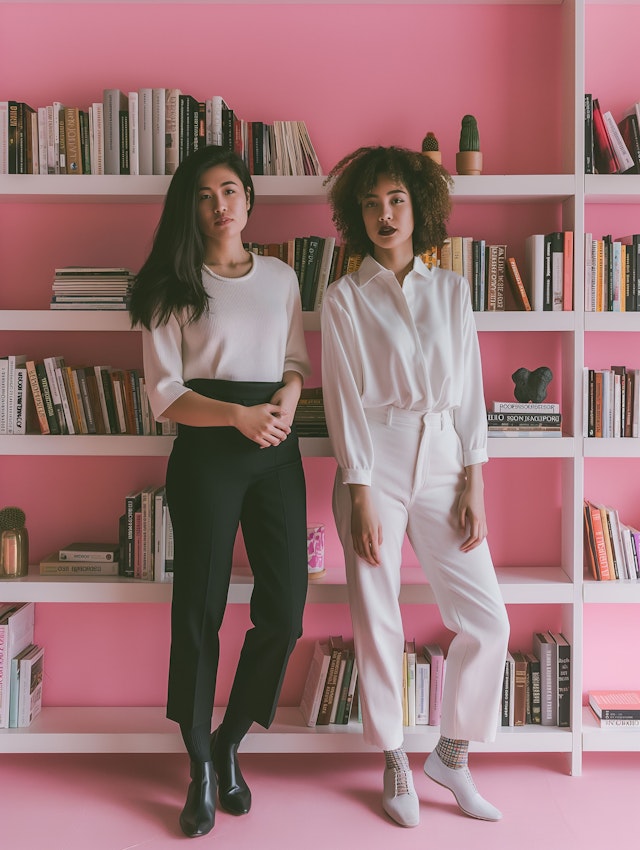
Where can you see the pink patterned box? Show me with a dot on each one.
(315, 550)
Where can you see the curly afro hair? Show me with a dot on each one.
(427, 182)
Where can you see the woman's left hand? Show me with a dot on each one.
(287, 397)
(471, 512)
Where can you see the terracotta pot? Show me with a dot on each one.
(436, 156)
(469, 162)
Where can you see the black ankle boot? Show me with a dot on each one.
(233, 791)
(199, 813)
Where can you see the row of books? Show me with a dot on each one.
(147, 131)
(91, 288)
(612, 274)
(536, 684)
(145, 536)
(21, 666)
(611, 547)
(48, 397)
(616, 709)
(316, 260)
(524, 419)
(497, 283)
(610, 147)
(611, 402)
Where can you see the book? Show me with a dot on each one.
(411, 661)
(524, 407)
(545, 650)
(534, 265)
(36, 394)
(563, 675)
(520, 674)
(517, 285)
(14, 687)
(81, 551)
(621, 151)
(588, 134)
(630, 132)
(604, 156)
(423, 680)
(619, 723)
(329, 692)
(534, 688)
(506, 703)
(16, 632)
(435, 656)
(615, 704)
(114, 102)
(315, 682)
(343, 702)
(31, 681)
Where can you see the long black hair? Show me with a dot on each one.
(171, 277)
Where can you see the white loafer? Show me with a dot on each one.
(399, 799)
(459, 781)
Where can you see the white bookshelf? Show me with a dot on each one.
(128, 729)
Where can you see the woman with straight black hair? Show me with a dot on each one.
(225, 358)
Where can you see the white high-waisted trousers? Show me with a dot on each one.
(417, 478)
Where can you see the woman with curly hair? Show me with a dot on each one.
(403, 394)
(225, 357)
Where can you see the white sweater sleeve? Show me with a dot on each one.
(341, 386)
(162, 355)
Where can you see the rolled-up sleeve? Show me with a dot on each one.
(296, 358)
(341, 382)
(162, 356)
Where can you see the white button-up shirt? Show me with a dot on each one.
(413, 347)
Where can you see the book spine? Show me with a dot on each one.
(37, 397)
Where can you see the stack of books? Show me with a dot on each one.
(91, 288)
(80, 559)
(145, 534)
(310, 419)
(516, 419)
(616, 709)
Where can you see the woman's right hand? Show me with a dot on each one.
(262, 424)
(366, 529)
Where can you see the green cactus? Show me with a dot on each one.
(469, 138)
(430, 143)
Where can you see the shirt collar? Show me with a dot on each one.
(370, 269)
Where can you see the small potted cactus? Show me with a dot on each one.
(469, 157)
(431, 148)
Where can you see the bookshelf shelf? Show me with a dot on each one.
(84, 321)
(519, 585)
(147, 730)
(118, 445)
(611, 592)
(147, 189)
(611, 446)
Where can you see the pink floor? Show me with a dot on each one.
(70, 802)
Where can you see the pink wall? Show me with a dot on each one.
(383, 74)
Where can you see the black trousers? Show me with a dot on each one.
(217, 479)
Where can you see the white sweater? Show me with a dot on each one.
(252, 332)
(413, 347)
